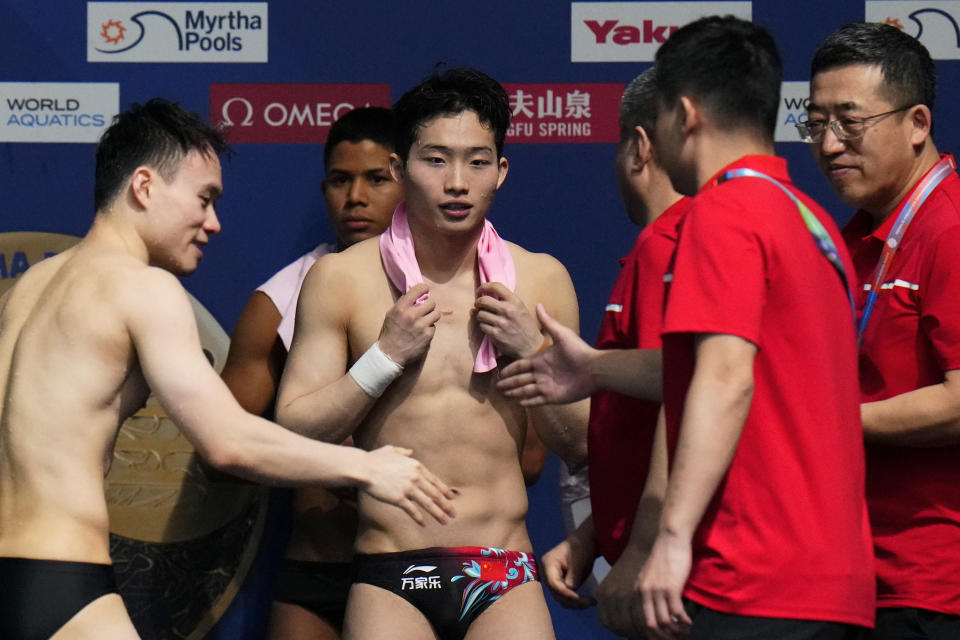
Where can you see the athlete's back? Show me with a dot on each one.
(68, 381)
(64, 364)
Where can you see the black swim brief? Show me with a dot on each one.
(37, 597)
(450, 586)
(318, 587)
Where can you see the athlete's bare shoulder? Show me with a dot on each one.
(122, 279)
(363, 256)
(98, 291)
(537, 269)
(31, 285)
(136, 288)
(347, 274)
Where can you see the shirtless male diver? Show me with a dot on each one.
(396, 341)
(85, 335)
(310, 590)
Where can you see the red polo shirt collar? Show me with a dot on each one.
(862, 221)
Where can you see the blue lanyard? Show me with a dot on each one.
(820, 236)
(920, 194)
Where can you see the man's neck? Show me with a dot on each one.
(113, 229)
(443, 257)
(658, 195)
(924, 162)
(719, 150)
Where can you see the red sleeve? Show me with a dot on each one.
(940, 302)
(719, 277)
(652, 264)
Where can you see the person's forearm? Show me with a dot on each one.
(254, 390)
(563, 429)
(261, 451)
(716, 408)
(646, 522)
(331, 413)
(584, 538)
(631, 372)
(925, 417)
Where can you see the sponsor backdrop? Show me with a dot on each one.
(281, 73)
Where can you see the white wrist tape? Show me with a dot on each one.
(375, 370)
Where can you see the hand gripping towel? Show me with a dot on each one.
(493, 259)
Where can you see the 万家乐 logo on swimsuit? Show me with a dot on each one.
(420, 582)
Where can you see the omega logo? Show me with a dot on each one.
(225, 112)
(278, 114)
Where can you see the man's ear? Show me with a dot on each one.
(643, 147)
(503, 167)
(396, 168)
(141, 183)
(691, 114)
(921, 120)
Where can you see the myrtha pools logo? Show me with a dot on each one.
(176, 32)
(935, 24)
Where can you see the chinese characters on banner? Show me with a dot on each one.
(578, 112)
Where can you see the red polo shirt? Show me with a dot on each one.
(620, 437)
(786, 534)
(912, 338)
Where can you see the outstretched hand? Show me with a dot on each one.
(398, 479)
(559, 374)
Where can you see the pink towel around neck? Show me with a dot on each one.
(493, 258)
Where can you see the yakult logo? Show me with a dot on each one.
(294, 113)
(176, 32)
(627, 33)
(633, 31)
(935, 24)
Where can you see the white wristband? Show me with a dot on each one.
(375, 370)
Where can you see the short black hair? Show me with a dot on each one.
(909, 73)
(159, 134)
(449, 92)
(638, 106)
(731, 66)
(376, 124)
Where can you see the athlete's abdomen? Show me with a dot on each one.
(471, 442)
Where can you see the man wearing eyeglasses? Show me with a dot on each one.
(872, 90)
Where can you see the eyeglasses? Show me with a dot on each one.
(848, 128)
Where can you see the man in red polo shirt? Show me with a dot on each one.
(872, 91)
(763, 531)
(621, 430)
